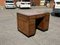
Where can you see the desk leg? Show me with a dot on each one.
(44, 24)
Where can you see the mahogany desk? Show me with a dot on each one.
(30, 20)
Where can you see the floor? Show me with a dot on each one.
(9, 35)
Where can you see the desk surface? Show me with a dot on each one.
(35, 10)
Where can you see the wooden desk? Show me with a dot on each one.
(27, 23)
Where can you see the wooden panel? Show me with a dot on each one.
(32, 28)
(24, 27)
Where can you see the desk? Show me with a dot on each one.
(30, 20)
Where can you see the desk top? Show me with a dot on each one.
(35, 10)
